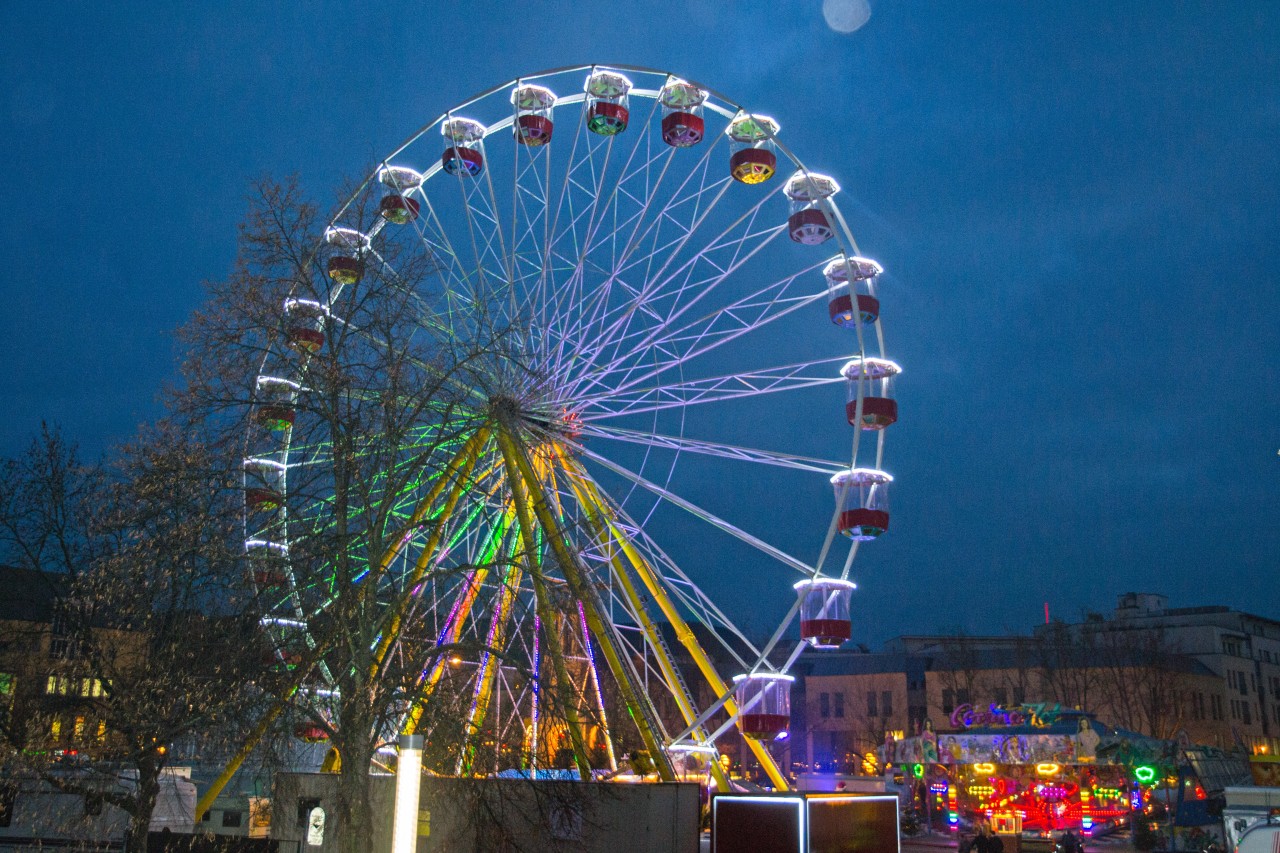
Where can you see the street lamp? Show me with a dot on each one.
(404, 826)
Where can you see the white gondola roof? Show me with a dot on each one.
(533, 98)
(678, 94)
(400, 177)
(861, 477)
(810, 186)
(837, 269)
(824, 583)
(462, 129)
(751, 128)
(871, 368)
(345, 238)
(607, 84)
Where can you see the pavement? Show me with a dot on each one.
(1117, 842)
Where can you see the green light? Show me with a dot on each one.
(917, 770)
(1144, 773)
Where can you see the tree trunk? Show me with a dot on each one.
(355, 818)
(145, 803)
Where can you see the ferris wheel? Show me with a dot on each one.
(613, 274)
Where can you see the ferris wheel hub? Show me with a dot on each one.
(538, 417)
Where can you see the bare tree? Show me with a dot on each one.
(1067, 666)
(1143, 679)
(382, 414)
(146, 645)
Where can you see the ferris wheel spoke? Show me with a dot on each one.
(717, 449)
(627, 534)
(707, 516)
(635, 220)
(731, 386)
(613, 204)
(662, 331)
(460, 287)
(671, 250)
(710, 333)
(617, 338)
(664, 215)
(546, 285)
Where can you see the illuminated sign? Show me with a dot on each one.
(1039, 715)
(1144, 774)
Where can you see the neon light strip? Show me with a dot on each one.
(535, 689)
(595, 681)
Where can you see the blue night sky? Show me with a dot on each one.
(1078, 206)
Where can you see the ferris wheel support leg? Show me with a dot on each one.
(489, 669)
(515, 477)
(427, 684)
(595, 683)
(454, 476)
(669, 673)
(683, 632)
(259, 731)
(584, 594)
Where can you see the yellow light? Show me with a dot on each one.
(455, 660)
(1048, 769)
(984, 768)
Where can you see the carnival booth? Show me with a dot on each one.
(1040, 768)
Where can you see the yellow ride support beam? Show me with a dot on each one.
(259, 730)
(510, 454)
(683, 701)
(428, 684)
(454, 476)
(489, 668)
(581, 591)
(683, 632)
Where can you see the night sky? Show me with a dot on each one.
(1077, 205)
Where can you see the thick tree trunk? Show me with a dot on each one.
(145, 803)
(355, 817)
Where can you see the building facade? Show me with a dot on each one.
(1210, 675)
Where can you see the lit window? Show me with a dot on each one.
(55, 728)
(102, 731)
(51, 686)
(86, 686)
(77, 731)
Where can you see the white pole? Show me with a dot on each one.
(404, 826)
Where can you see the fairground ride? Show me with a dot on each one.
(634, 270)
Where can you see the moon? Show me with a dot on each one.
(846, 16)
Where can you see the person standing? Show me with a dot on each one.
(987, 841)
